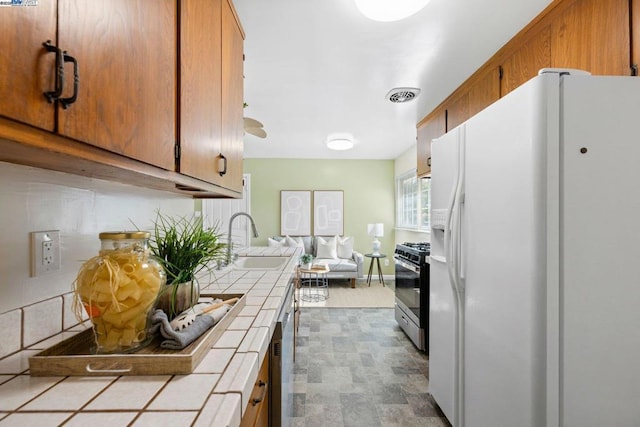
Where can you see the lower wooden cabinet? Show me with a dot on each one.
(257, 412)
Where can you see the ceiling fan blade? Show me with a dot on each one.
(259, 132)
(252, 123)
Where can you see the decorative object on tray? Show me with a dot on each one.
(188, 317)
(178, 334)
(184, 247)
(306, 260)
(72, 356)
(118, 289)
(320, 267)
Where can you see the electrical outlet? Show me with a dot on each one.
(386, 262)
(45, 252)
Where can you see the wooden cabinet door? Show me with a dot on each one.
(526, 61)
(127, 56)
(484, 91)
(257, 412)
(433, 127)
(200, 88)
(457, 110)
(211, 93)
(232, 96)
(593, 35)
(635, 32)
(27, 69)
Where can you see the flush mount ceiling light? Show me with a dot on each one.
(387, 10)
(402, 94)
(340, 143)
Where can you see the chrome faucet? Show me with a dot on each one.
(253, 228)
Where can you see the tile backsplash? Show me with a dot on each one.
(31, 199)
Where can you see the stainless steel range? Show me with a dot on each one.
(412, 291)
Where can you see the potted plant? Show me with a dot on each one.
(306, 260)
(184, 247)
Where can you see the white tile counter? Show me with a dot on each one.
(216, 393)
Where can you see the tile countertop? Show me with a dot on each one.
(216, 393)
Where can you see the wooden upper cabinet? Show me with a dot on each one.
(526, 61)
(211, 93)
(127, 56)
(457, 110)
(433, 126)
(484, 91)
(635, 32)
(232, 96)
(27, 69)
(593, 35)
(200, 88)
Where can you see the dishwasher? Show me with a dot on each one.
(281, 363)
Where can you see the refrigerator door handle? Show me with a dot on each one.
(457, 282)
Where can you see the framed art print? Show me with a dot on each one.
(328, 207)
(295, 213)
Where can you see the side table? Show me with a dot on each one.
(375, 259)
(314, 284)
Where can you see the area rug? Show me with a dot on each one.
(342, 295)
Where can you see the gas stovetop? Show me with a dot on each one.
(413, 252)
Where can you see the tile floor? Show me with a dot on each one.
(355, 367)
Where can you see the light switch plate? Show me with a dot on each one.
(45, 252)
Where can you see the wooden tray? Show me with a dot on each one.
(72, 356)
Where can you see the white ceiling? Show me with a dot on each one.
(318, 67)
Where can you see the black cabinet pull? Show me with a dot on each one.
(76, 82)
(52, 96)
(257, 400)
(224, 165)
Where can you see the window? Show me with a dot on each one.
(412, 202)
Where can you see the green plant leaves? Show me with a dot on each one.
(184, 246)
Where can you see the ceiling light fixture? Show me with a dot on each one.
(387, 10)
(340, 144)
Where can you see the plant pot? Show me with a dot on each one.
(178, 297)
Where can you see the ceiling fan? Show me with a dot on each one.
(254, 127)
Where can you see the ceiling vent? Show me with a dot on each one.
(399, 95)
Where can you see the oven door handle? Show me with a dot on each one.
(407, 265)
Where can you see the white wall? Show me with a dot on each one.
(405, 162)
(35, 200)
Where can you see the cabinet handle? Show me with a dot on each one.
(222, 165)
(429, 161)
(76, 82)
(257, 400)
(55, 94)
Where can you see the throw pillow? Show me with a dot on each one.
(344, 246)
(273, 243)
(326, 248)
(294, 242)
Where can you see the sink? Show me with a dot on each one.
(260, 262)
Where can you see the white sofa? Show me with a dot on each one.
(342, 266)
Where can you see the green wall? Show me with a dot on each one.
(369, 195)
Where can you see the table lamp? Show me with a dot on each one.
(376, 230)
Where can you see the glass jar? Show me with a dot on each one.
(118, 289)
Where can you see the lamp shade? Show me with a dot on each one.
(375, 230)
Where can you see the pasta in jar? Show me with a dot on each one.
(118, 290)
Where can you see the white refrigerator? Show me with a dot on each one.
(535, 258)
